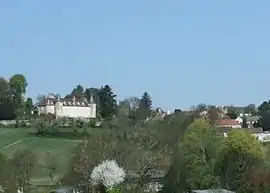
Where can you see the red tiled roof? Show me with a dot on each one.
(228, 122)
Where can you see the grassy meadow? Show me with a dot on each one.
(48, 151)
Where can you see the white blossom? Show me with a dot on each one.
(2, 189)
(19, 190)
(108, 173)
(153, 187)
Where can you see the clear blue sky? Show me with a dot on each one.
(181, 52)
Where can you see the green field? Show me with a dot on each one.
(60, 150)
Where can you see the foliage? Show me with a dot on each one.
(3, 89)
(250, 109)
(28, 106)
(244, 123)
(144, 107)
(264, 107)
(139, 150)
(17, 85)
(232, 113)
(176, 179)
(107, 102)
(40, 98)
(195, 155)
(264, 112)
(92, 91)
(17, 89)
(199, 151)
(77, 92)
(7, 111)
(12, 97)
(213, 114)
(240, 154)
(114, 190)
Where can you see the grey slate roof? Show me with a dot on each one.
(228, 129)
(51, 100)
(253, 118)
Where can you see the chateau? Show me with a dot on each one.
(67, 107)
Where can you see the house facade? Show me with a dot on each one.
(230, 123)
(67, 107)
(251, 120)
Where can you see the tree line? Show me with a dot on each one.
(14, 105)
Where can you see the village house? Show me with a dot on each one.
(230, 123)
(67, 107)
(251, 120)
(254, 131)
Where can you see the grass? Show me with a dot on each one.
(60, 152)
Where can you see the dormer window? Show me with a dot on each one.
(78, 103)
(74, 103)
(69, 102)
(64, 102)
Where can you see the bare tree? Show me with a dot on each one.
(23, 163)
(51, 167)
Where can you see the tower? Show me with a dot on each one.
(91, 98)
(58, 106)
(93, 107)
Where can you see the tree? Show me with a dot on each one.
(250, 109)
(3, 90)
(17, 89)
(213, 114)
(264, 112)
(176, 179)
(6, 105)
(23, 163)
(145, 101)
(144, 107)
(94, 92)
(17, 86)
(133, 102)
(51, 167)
(29, 106)
(200, 145)
(107, 102)
(232, 114)
(7, 111)
(128, 108)
(40, 98)
(77, 92)
(194, 160)
(201, 107)
(244, 123)
(239, 156)
(264, 107)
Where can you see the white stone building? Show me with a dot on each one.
(67, 107)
